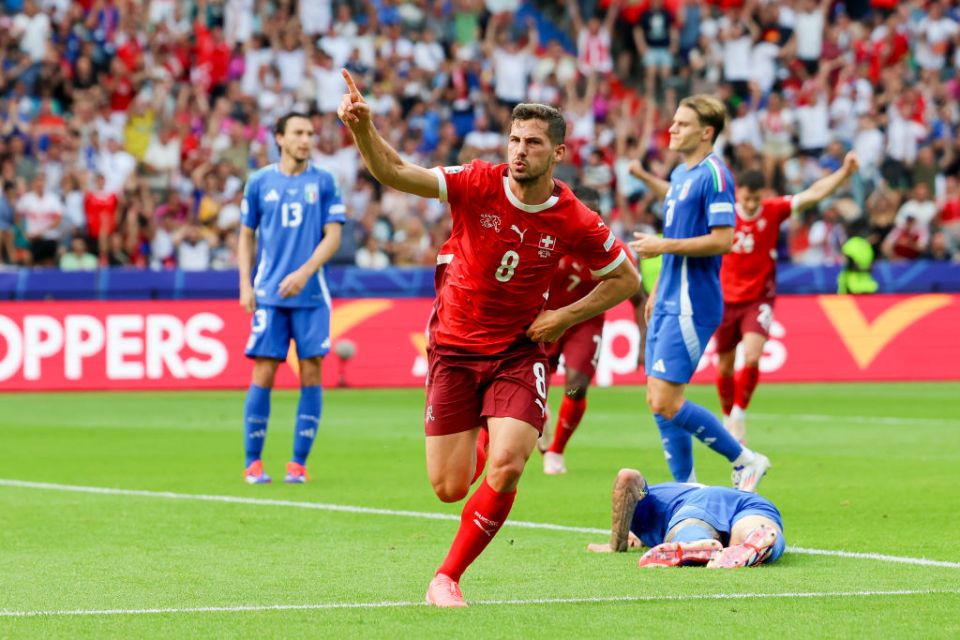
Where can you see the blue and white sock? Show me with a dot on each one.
(308, 422)
(705, 426)
(256, 414)
(677, 449)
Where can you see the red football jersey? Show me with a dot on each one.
(573, 280)
(502, 255)
(749, 271)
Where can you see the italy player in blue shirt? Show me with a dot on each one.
(686, 305)
(686, 523)
(292, 216)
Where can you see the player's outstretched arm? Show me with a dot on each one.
(657, 185)
(826, 185)
(718, 242)
(614, 288)
(628, 490)
(382, 160)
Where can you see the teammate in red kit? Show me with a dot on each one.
(748, 279)
(579, 345)
(512, 223)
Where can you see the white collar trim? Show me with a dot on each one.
(529, 208)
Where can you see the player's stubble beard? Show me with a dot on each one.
(529, 177)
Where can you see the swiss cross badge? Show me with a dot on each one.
(547, 242)
(311, 193)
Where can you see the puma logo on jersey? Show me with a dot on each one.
(659, 367)
(514, 227)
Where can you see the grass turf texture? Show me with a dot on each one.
(867, 468)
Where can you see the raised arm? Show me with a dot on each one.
(382, 160)
(657, 185)
(826, 185)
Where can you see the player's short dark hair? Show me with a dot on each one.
(556, 123)
(710, 111)
(281, 127)
(589, 196)
(752, 180)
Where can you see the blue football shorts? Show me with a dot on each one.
(272, 328)
(722, 507)
(674, 346)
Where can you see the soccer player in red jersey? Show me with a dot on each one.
(748, 279)
(512, 223)
(580, 344)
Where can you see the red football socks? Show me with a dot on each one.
(482, 517)
(726, 388)
(483, 439)
(747, 381)
(571, 412)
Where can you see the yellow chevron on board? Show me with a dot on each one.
(865, 340)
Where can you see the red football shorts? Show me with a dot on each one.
(464, 389)
(740, 318)
(580, 347)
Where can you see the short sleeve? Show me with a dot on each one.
(333, 207)
(599, 248)
(250, 204)
(718, 196)
(461, 182)
(779, 208)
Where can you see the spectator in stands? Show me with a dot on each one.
(371, 256)
(192, 249)
(7, 215)
(906, 241)
(78, 258)
(42, 211)
(920, 207)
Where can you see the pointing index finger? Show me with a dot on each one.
(351, 85)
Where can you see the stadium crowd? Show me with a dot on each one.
(128, 127)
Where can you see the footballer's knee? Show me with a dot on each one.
(664, 404)
(503, 472)
(725, 365)
(450, 490)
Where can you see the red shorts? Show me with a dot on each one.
(580, 347)
(741, 318)
(464, 389)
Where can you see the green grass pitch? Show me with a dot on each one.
(857, 468)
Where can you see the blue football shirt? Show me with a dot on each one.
(289, 213)
(698, 199)
(653, 513)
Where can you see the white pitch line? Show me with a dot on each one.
(888, 420)
(534, 601)
(422, 515)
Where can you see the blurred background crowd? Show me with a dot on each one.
(128, 127)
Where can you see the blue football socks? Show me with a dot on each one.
(677, 448)
(308, 421)
(256, 414)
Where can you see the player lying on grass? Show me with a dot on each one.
(692, 524)
(579, 345)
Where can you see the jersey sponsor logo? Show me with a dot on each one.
(272, 196)
(547, 241)
(452, 170)
(685, 190)
(659, 367)
(311, 193)
(514, 227)
(721, 207)
(490, 221)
